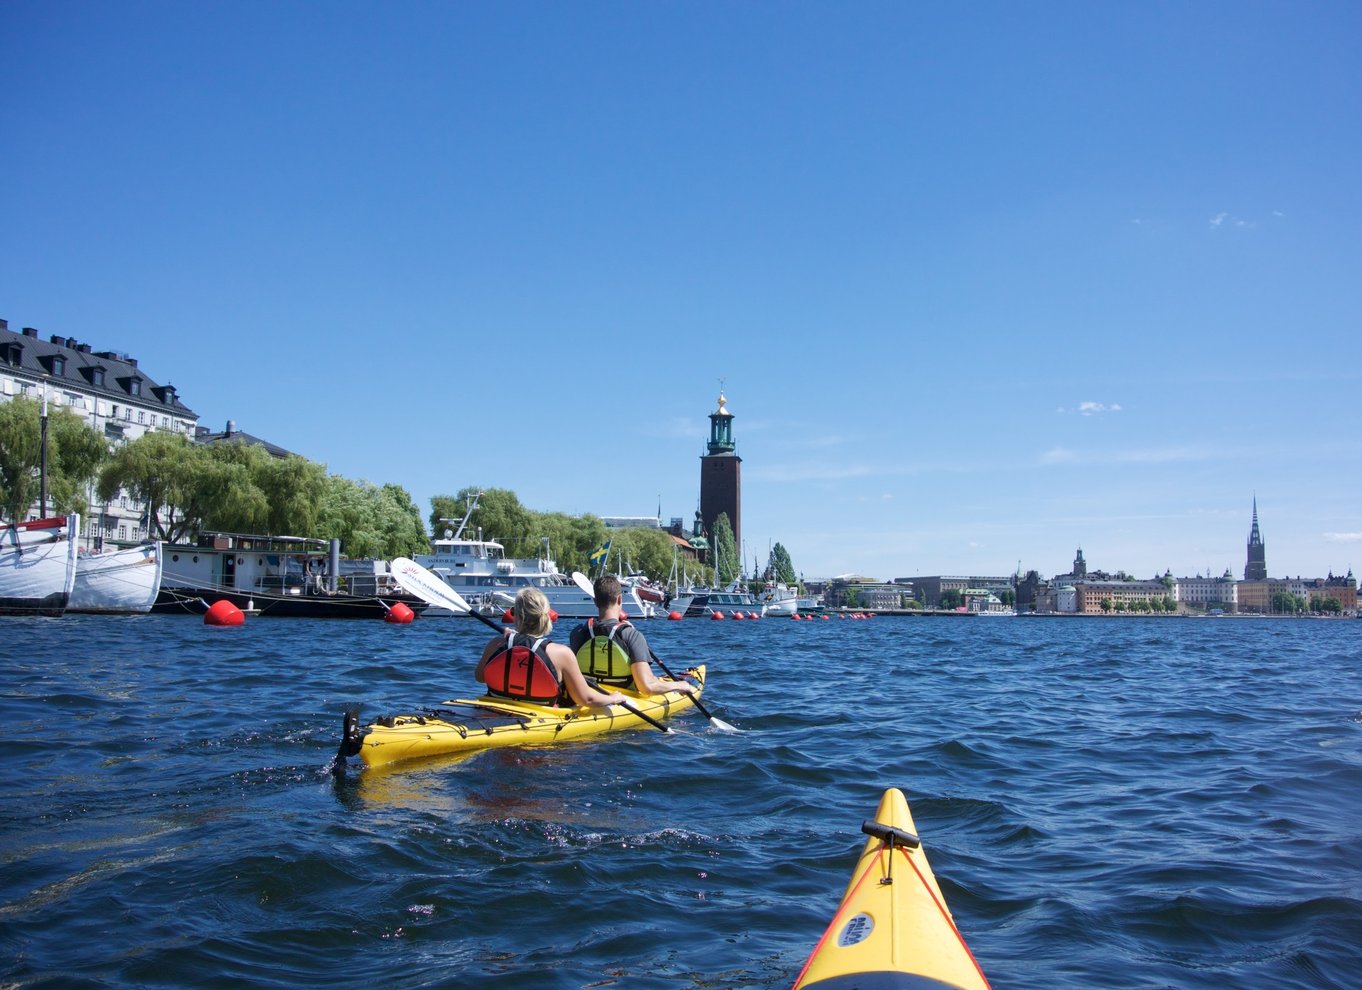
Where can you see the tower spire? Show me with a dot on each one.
(1255, 567)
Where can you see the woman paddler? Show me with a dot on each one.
(522, 664)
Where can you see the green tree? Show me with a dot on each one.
(1107, 605)
(727, 566)
(154, 469)
(951, 599)
(780, 567)
(20, 455)
(74, 453)
(371, 520)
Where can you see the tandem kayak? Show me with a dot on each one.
(466, 725)
(892, 930)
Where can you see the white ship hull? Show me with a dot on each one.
(38, 566)
(122, 581)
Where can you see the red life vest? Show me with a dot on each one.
(522, 670)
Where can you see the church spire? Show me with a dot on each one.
(1255, 567)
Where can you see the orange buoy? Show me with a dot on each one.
(716, 615)
(223, 613)
(738, 615)
(399, 614)
(508, 616)
(825, 617)
(674, 615)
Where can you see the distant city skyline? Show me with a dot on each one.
(982, 284)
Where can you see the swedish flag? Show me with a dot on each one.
(600, 553)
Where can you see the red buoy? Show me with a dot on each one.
(399, 614)
(553, 615)
(716, 615)
(674, 615)
(223, 613)
(508, 616)
(738, 615)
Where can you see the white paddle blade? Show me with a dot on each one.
(584, 582)
(426, 585)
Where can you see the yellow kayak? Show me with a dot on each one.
(465, 725)
(892, 930)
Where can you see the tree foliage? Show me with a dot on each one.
(74, 453)
(370, 520)
(727, 566)
(780, 567)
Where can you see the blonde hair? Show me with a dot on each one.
(531, 611)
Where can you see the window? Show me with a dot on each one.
(141, 415)
(134, 386)
(97, 377)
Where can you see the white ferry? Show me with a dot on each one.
(488, 580)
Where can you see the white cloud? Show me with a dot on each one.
(1091, 408)
(1343, 537)
(1220, 219)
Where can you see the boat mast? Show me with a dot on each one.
(42, 458)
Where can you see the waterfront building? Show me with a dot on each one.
(1098, 597)
(929, 588)
(1208, 592)
(721, 476)
(108, 390)
(858, 591)
(1343, 588)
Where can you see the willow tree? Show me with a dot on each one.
(74, 453)
(371, 520)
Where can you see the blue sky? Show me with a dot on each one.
(984, 282)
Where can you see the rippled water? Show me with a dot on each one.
(1108, 802)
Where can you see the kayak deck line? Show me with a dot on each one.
(892, 933)
(471, 724)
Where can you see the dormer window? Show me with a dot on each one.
(97, 377)
(58, 365)
(134, 386)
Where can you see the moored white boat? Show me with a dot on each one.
(779, 599)
(481, 573)
(121, 581)
(705, 602)
(38, 565)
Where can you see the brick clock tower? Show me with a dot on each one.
(721, 475)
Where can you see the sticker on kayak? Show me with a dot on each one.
(857, 929)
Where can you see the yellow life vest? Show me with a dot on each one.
(600, 657)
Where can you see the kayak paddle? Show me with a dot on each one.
(584, 582)
(431, 588)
